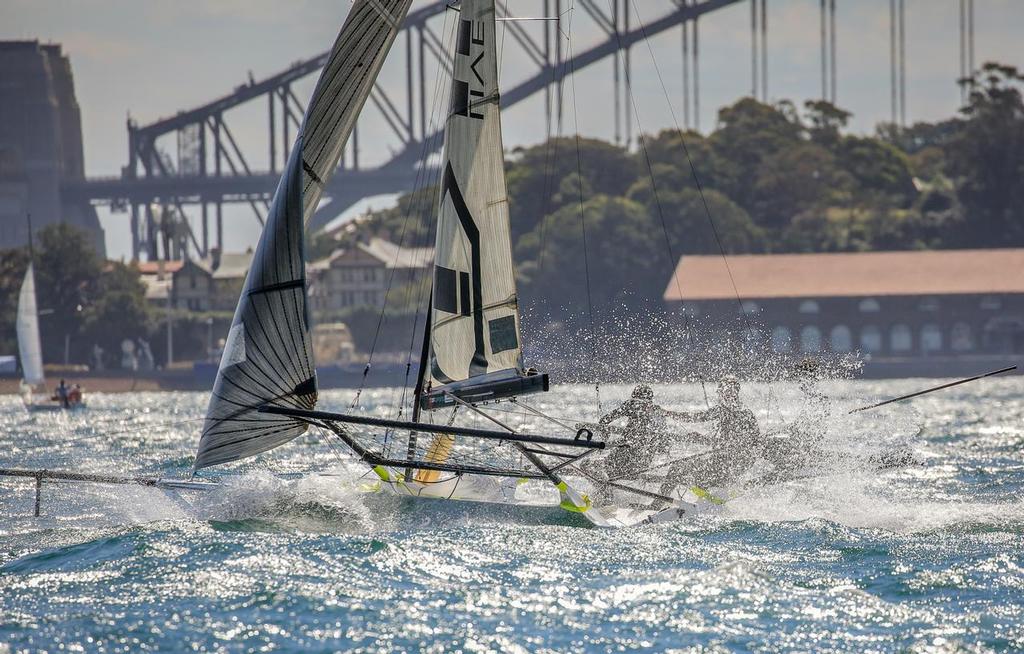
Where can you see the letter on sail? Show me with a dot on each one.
(268, 357)
(29, 349)
(475, 349)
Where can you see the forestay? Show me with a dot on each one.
(475, 331)
(268, 357)
(29, 348)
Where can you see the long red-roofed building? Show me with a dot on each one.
(886, 304)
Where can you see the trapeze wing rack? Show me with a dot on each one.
(41, 475)
(326, 416)
(378, 461)
(88, 477)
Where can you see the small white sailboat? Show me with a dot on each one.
(30, 350)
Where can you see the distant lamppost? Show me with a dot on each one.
(170, 334)
(67, 340)
(209, 339)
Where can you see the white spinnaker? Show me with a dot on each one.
(29, 348)
(268, 357)
(475, 316)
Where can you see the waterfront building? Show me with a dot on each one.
(359, 276)
(914, 305)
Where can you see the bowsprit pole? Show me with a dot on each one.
(935, 388)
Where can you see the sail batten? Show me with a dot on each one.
(475, 324)
(268, 355)
(29, 347)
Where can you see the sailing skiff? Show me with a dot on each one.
(265, 393)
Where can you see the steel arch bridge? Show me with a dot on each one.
(194, 161)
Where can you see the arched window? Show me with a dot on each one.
(961, 339)
(810, 339)
(782, 339)
(871, 339)
(931, 338)
(841, 339)
(749, 308)
(928, 304)
(991, 303)
(808, 306)
(900, 338)
(869, 305)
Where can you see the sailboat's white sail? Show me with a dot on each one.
(268, 357)
(29, 348)
(474, 333)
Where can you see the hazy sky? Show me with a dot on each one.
(151, 59)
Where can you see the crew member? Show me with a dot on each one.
(640, 439)
(735, 440)
(61, 394)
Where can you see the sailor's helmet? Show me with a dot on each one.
(807, 366)
(729, 384)
(643, 392)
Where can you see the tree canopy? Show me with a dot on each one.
(83, 300)
(768, 178)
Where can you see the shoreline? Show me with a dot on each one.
(200, 377)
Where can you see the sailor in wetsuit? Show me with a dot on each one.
(641, 439)
(735, 439)
(802, 444)
(60, 394)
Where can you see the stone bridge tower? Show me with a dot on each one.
(40, 143)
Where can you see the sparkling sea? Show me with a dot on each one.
(927, 559)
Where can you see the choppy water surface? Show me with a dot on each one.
(929, 559)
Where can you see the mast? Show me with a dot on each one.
(421, 375)
(31, 249)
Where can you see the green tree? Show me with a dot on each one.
(748, 133)
(986, 157)
(880, 170)
(68, 269)
(535, 174)
(12, 272)
(920, 135)
(826, 121)
(795, 179)
(713, 171)
(694, 228)
(621, 263)
(116, 309)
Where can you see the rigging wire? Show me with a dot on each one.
(700, 190)
(421, 198)
(642, 140)
(583, 220)
(550, 154)
(689, 161)
(405, 224)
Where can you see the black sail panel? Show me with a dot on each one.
(268, 357)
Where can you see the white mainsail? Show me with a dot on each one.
(475, 313)
(268, 357)
(29, 347)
